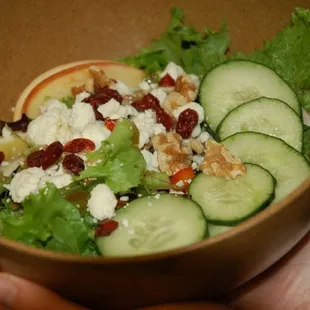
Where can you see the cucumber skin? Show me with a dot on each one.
(243, 60)
(262, 207)
(220, 124)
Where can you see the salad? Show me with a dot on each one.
(184, 143)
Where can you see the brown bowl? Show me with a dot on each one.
(38, 35)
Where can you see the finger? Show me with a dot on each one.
(187, 306)
(19, 294)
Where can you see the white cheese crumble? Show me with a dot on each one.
(114, 110)
(102, 202)
(124, 198)
(147, 126)
(95, 132)
(203, 137)
(159, 94)
(151, 160)
(122, 88)
(52, 125)
(30, 180)
(6, 132)
(82, 114)
(81, 96)
(145, 86)
(196, 107)
(173, 70)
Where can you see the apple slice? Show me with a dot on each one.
(13, 147)
(58, 82)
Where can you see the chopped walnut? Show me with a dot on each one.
(75, 90)
(173, 101)
(100, 78)
(196, 146)
(185, 86)
(220, 163)
(172, 153)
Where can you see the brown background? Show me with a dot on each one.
(36, 35)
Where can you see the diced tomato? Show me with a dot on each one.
(167, 81)
(106, 227)
(110, 123)
(183, 178)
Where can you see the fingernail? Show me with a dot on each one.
(7, 290)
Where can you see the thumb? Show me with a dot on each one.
(19, 294)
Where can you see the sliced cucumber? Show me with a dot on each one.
(289, 167)
(228, 202)
(215, 230)
(154, 224)
(235, 82)
(265, 115)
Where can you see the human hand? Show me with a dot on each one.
(286, 286)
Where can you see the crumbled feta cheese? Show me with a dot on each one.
(122, 88)
(96, 132)
(159, 94)
(195, 166)
(180, 183)
(52, 125)
(102, 202)
(176, 192)
(7, 168)
(25, 183)
(203, 137)
(30, 180)
(173, 70)
(124, 198)
(151, 160)
(147, 126)
(157, 196)
(194, 106)
(82, 114)
(145, 86)
(81, 96)
(4, 164)
(6, 132)
(114, 110)
(197, 159)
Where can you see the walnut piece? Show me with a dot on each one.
(186, 87)
(173, 101)
(75, 90)
(196, 146)
(100, 78)
(172, 154)
(220, 163)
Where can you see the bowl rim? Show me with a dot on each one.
(24, 249)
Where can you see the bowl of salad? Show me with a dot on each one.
(165, 170)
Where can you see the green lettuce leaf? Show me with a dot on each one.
(3, 180)
(118, 162)
(196, 52)
(48, 221)
(288, 53)
(306, 143)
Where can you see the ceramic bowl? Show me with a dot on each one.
(38, 35)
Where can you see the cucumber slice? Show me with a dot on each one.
(289, 167)
(235, 82)
(265, 115)
(215, 230)
(154, 224)
(228, 202)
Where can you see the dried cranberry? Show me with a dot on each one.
(167, 81)
(151, 102)
(20, 125)
(51, 154)
(79, 145)
(110, 123)
(102, 96)
(73, 163)
(35, 159)
(164, 118)
(147, 102)
(2, 156)
(106, 227)
(187, 120)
